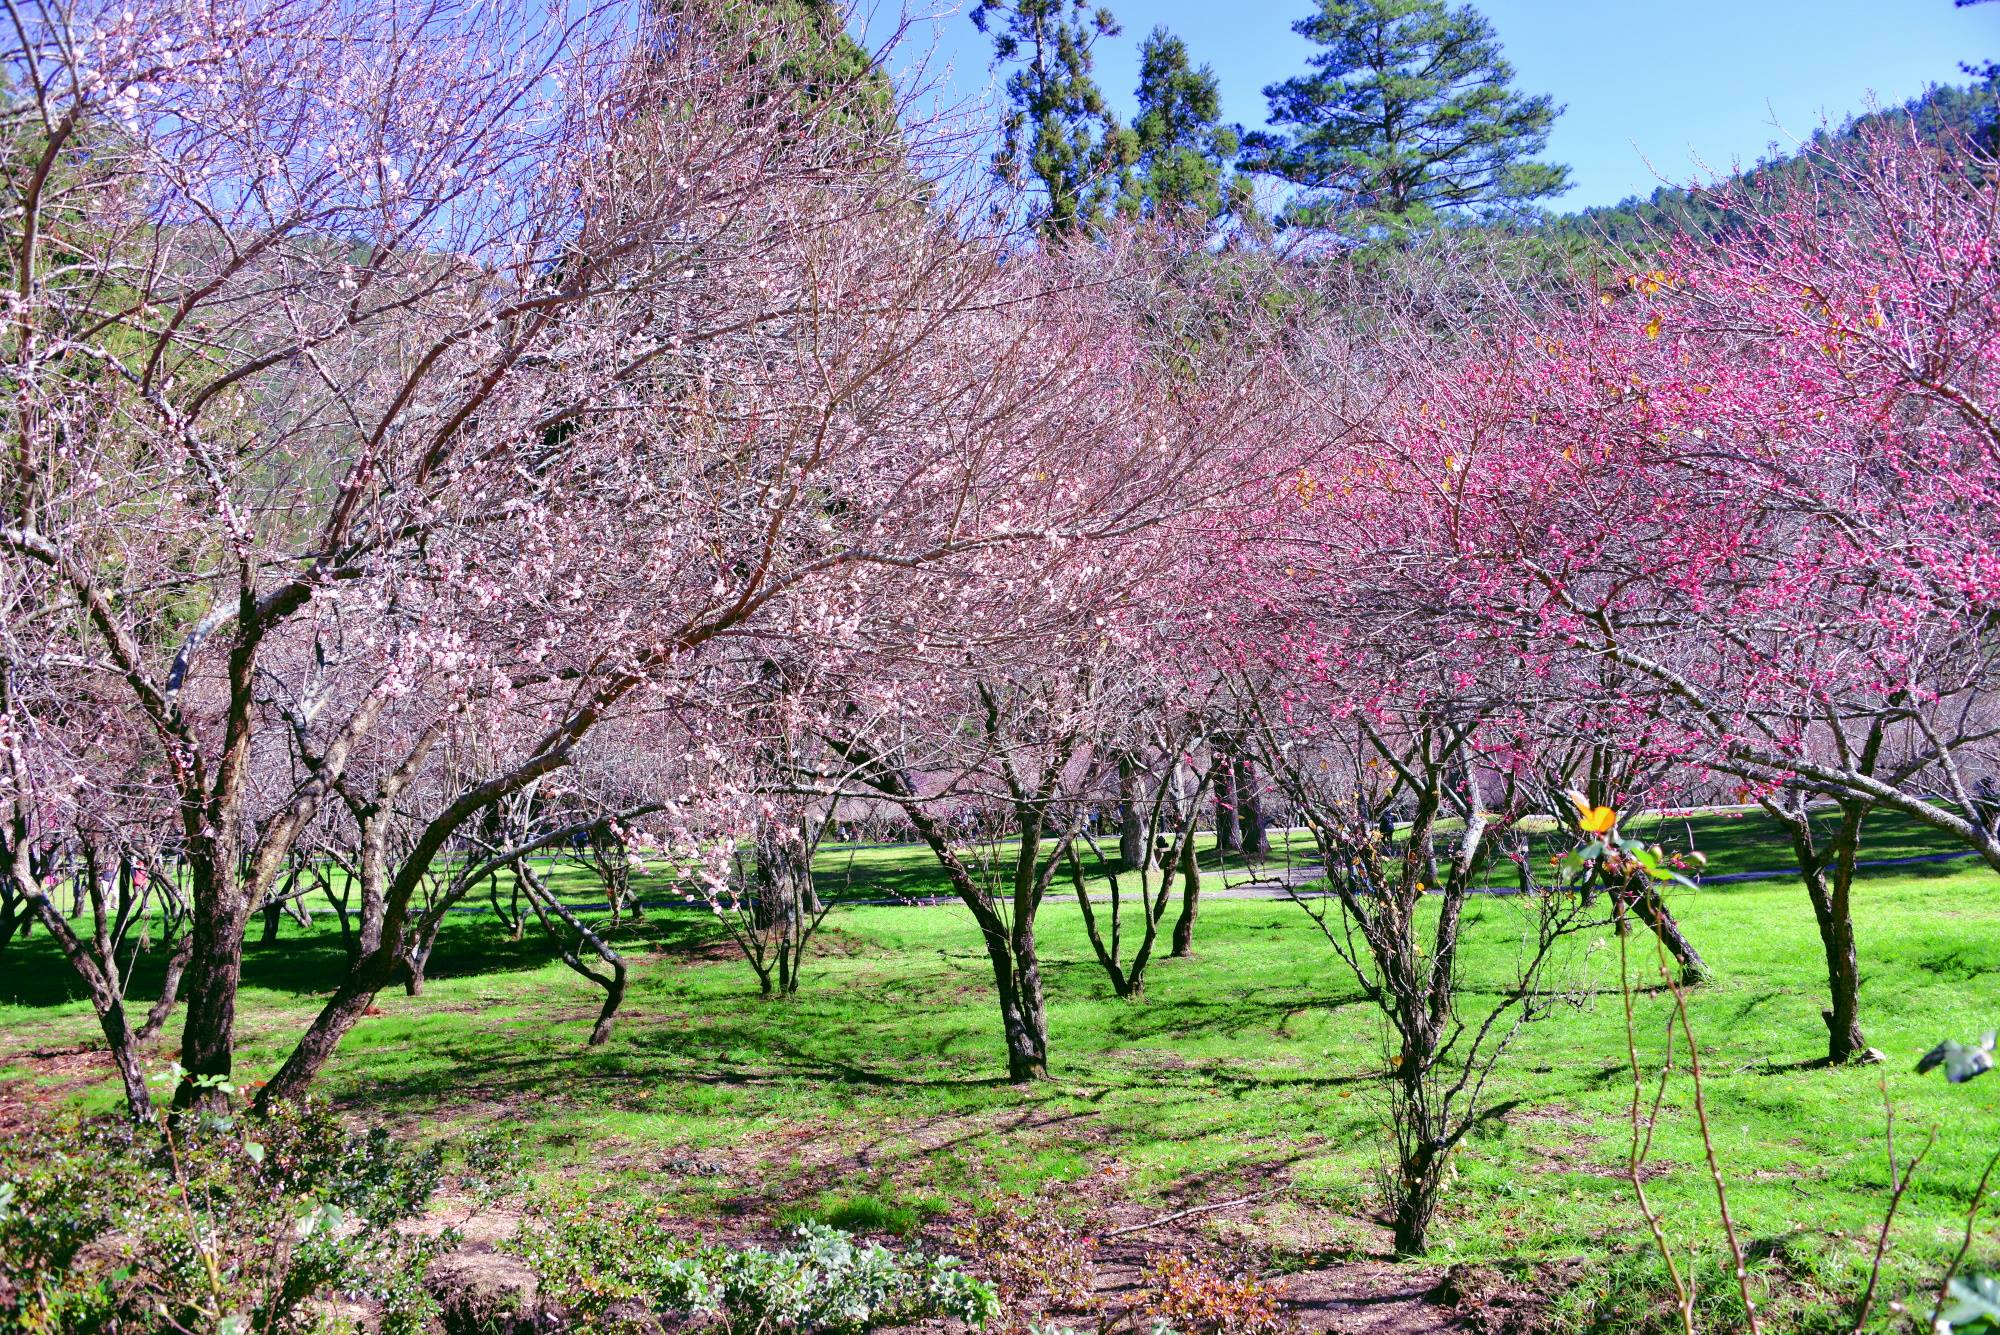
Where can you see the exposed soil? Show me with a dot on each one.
(1327, 1272)
(52, 1073)
(1365, 1295)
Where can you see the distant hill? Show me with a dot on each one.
(1944, 112)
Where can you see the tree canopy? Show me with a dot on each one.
(1058, 132)
(1184, 150)
(1407, 114)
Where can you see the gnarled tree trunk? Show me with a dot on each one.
(1828, 873)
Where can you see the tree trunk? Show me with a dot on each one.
(1228, 829)
(1845, 1041)
(1124, 984)
(614, 997)
(373, 907)
(1646, 904)
(106, 1001)
(12, 917)
(347, 1005)
(170, 990)
(1032, 1062)
(270, 936)
(781, 865)
(1025, 1028)
(1023, 1018)
(219, 912)
(544, 902)
(1183, 945)
(1829, 882)
(1256, 842)
(1416, 1201)
(1132, 849)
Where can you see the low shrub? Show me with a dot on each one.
(1191, 1296)
(217, 1225)
(599, 1262)
(1036, 1257)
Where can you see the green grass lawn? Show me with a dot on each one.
(876, 1097)
(1733, 841)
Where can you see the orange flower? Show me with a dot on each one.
(1598, 820)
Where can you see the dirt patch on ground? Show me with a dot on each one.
(52, 1074)
(798, 1161)
(1323, 1269)
(1493, 1302)
(1087, 1256)
(1333, 1275)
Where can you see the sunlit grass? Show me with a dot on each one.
(878, 1091)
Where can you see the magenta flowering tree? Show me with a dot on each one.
(1756, 484)
(1402, 754)
(1331, 613)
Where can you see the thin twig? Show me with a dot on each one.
(1642, 1144)
(1668, 975)
(1183, 1214)
(1971, 1223)
(1897, 1186)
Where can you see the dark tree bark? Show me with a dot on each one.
(544, 902)
(1828, 872)
(1644, 903)
(1255, 841)
(1190, 871)
(1128, 979)
(220, 912)
(1009, 935)
(1228, 827)
(15, 915)
(377, 968)
(513, 917)
(170, 990)
(784, 910)
(101, 980)
(1132, 841)
(95, 963)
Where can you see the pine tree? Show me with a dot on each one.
(1059, 131)
(837, 86)
(1183, 149)
(1406, 116)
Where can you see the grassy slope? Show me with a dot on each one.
(879, 1081)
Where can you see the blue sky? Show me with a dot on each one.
(1645, 82)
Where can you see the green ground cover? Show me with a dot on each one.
(875, 1098)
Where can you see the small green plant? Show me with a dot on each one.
(306, 1151)
(212, 1224)
(866, 1214)
(492, 1159)
(593, 1261)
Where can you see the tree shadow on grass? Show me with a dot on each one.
(470, 1066)
(1227, 1017)
(1770, 1067)
(312, 962)
(1247, 1086)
